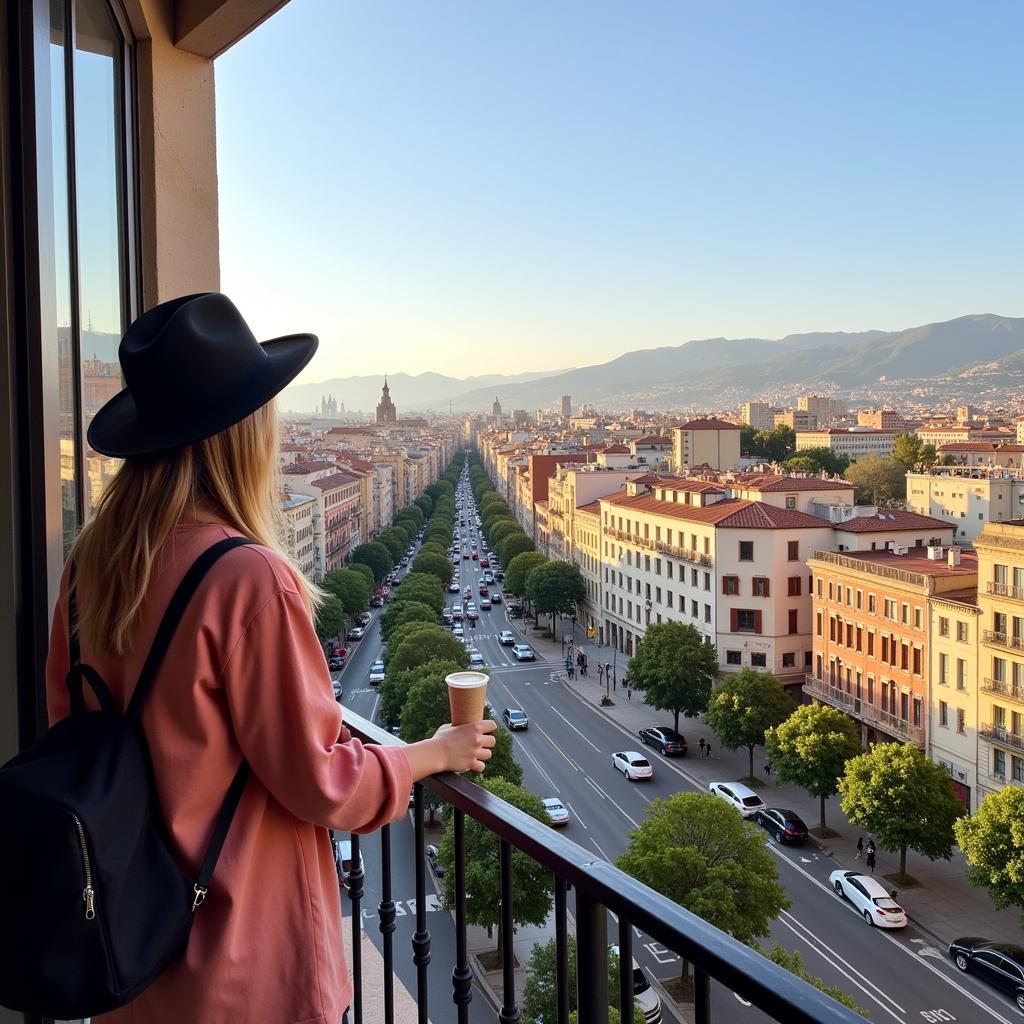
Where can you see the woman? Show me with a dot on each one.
(244, 676)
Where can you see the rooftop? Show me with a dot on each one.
(916, 560)
(892, 519)
(732, 513)
(707, 423)
(773, 482)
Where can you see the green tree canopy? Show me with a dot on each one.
(695, 849)
(421, 586)
(811, 748)
(513, 545)
(878, 481)
(329, 618)
(426, 706)
(993, 843)
(902, 798)
(424, 504)
(501, 528)
(906, 450)
(554, 588)
(350, 589)
(376, 556)
(793, 962)
(743, 706)
(365, 572)
(398, 635)
(402, 531)
(438, 489)
(814, 460)
(517, 571)
(395, 543)
(433, 563)
(531, 882)
(430, 643)
(775, 445)
(401, 613)
(676, 667)
(413, 512)
(433, 546)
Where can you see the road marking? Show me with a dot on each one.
(536, 765)
(613, 802)
(598, 845)
(560, 750)
(574, 811)
(575, 730)
(376, 702)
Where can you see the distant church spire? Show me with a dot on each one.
(386, 412)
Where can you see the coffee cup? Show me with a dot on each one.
(466, 695)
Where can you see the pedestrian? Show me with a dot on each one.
(629, 693)
(600, 670)
(870, 859)
(701, 754)
(860, 848)
(767, 767)
(189, 480)
(707, 749)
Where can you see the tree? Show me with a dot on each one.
(398, 635)
(413, 512)
(421, 586)
(435, 564)
(329, 618)
(363, 570)
(393, 692)
(676, 667)
(513, 545)
(775, 445)
(793, 962)
(531, 882)
(401, 613)
(878, 481)
(501, 528)
(748, 435)
(928, 454)
(350, 589)
(430, 643)
(424, 504)
(554, 588)
(816, 460)
(376, 556)
(899, 795)
(993, 843)
(743, 706)
(811, 748)
(426, 706)
(906, 450)
(396, 545)
(697, 850)
(517, 571)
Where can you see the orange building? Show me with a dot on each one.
(871, 633)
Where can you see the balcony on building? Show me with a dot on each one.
(1004, 640)
(864, 711)
(1005, 688)
(1007, 590)
(1000, 734)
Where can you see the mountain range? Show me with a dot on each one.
(710, 371)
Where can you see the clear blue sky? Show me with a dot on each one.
(480, 186)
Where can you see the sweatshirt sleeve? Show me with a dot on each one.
(290, 730)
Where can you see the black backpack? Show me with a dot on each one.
(95, 905)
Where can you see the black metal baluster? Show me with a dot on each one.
(561, 955)
(625, 971)
(386, 912)
(701, 997)
(591, 960)
(462, 989)
(509, 1011)
(355, 894)
(421, 937)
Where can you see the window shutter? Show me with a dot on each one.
(767, 587)
(725, 584)
(734, 620)
(757, 622)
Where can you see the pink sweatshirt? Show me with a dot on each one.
(245, 676)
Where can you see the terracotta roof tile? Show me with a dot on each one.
(774, 482)
(892, 519)
(732, 513)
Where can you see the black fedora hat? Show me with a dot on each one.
(192, 368)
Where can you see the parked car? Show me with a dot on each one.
(496, 597)
(1001, 964)
(515, 611)
(870, 897)
(458, 631)
(343, 859)
(355, 633)
(785, 825)
(377, 601)
(335, 662)
(506, 638)
(557, 811)
(643, 995)
(364, 618)
(743, 798)
(498, 574)
(376, 673)
(668, 741)
(523, 652)
(515, 719)
(632, 764)
(453, 587)
(336, 686)
(484, 563)
(432, 859)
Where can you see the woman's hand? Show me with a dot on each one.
(466, 747)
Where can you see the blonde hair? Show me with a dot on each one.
(234, 473)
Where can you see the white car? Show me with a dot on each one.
(356, 633)
(523, 652)
(743, 798)
(458, 631)
(476, 659)
(377, 673)
(453, 587)
(870, 897)
(506, 638)
(632, 764)
(643, 995)
(556, 810)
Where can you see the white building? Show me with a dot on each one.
(852, 443)
(967, 497)
(299, 541)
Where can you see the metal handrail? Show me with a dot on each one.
(1001, 734)
(711, 951)
(863, 709)
(1014, 643)
(1005, 590)
(1005, 687)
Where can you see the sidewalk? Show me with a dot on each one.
(944, 905)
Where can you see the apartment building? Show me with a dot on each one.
(706, 442)
(1001, 658)
(967, 497)
(299, 541)
(823, 408)
(852, 443)
(984, 453)
(586, 553)
(954, 433)
(759, 415)
(797, 419)
(341, 522)
(871, 633)
(882, 419)
(651, 450)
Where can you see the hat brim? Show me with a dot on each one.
(117, 431)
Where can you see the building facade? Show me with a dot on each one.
(706, 442)
(853, 443)
(967, 497)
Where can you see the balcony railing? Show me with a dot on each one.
(867, 712)
(1005, 590)
(600, 888)
(1013, 643)
(1004, 687)
(1000, 734)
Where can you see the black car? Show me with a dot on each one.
(334, 663)
(668, 741)
(514, 611)
(1001, 964)
(785, 825)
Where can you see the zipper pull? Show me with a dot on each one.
(200, 891)
(90, 907)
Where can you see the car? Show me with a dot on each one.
(498, 574)
(668, 741)
(457, 612)
(365, 618)
(514, 718)
(557, 811)
(376, 673)
(404, 562)
(632, 764)
(355, 633)
(474, 555)
(482, 590)
(343, 859)
(377, 601)
(453, 587)
(335, 662)
(870, 897)
(432, 859)
(523, 652)
(1001, 964)
(467, 593)
(484, 563)
(785, 825)
(644, 996)
(506, 638)
(488, 577)
(515, 611)
(476, 659)
(743, 798)
(496, 597)
(458, 631)
(485, 604)
(465, 553)
(336, 686)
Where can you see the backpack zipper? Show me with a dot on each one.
(88, 893)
